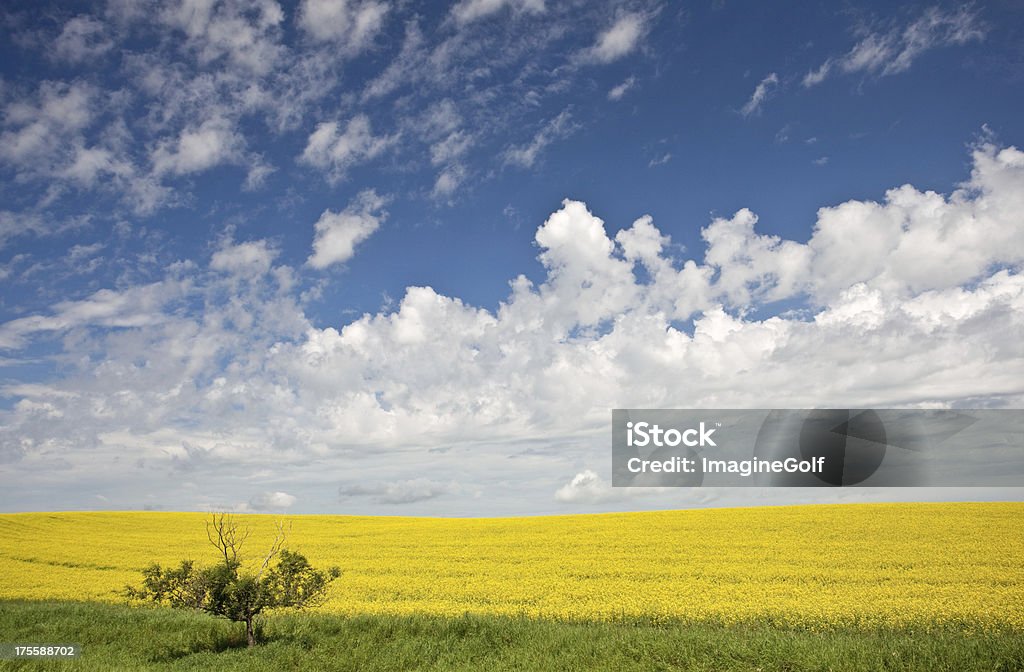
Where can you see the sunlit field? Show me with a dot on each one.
(819, 567)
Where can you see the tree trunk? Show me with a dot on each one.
(249, 634)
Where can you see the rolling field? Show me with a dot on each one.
(817, 567)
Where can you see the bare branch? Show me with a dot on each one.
(275, 548)
(226, 536)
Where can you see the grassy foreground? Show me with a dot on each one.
(116, 637)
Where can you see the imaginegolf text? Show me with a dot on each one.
(686, 465)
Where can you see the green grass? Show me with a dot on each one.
(125, 638)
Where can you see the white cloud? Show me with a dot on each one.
(618, 91)
(50, 138)
(145, 194)
(244, 32)
(916, 299)
(912, 242)
(618, 40)
(660, 160)
(82, 38)
(336, 152)
(753, 267)
(441, 126)
(272, 501)
(244, 259)
(400, 492)
(89, 164)
(36, 130)
(557, 128)
(450, 148)
(819, 74)
(448, 181)
(338, 233)
(351, 23)
(917, 241)
(259, 171)
(439, 119)
(14, 224)
(762, 92)
(448, 152)
(894, 51)
(135, 307)
(466, 11)
(406, 65)
(222, 63)
(196, 149)
(587, 487)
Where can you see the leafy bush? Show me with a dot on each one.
(226, 590)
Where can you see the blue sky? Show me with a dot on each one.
(391, 257)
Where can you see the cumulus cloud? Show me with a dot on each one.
(916, 299)
(751, 266)
(762, 92)
(913, 241)
(618, 40)
(272, 501)
(587, 487)
(338, 233)
(894, 51)
(350, 23)
(335, 151)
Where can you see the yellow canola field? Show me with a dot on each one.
(904, 565)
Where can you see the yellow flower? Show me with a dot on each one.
(903, 565)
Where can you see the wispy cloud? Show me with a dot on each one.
(466, 11)
(660, 160)
(894, 51)
(762, 92)
(335, 150)
(620, 90)
(407, 491)
(557, 128)
(618, 40)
